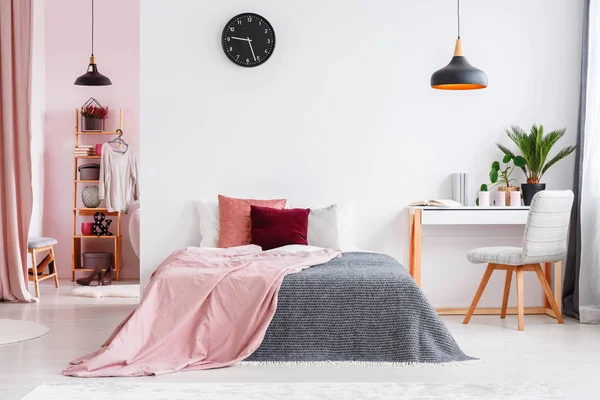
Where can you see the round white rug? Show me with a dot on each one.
(14, 331)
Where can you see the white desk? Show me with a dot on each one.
(470, 215)
(467, 215)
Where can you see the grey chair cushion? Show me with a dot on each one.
(36, 243)
(497, 255)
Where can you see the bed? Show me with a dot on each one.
(361, 306)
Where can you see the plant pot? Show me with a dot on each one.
(529, 190)
(93, 124)
(499, 199)
(86, 228)
(507, 190)
(484, 199)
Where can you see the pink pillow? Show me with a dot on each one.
(234, 216)
(273, 228)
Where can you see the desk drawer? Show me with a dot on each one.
(483, 216)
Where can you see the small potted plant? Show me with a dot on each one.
(534, 148)
(501, 177)
(93, 115)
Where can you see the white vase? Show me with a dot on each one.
(484, 199)
(515, 199)
(499, 199)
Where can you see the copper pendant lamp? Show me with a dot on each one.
(92, 77)
(459, 74)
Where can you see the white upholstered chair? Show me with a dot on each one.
(545, 242)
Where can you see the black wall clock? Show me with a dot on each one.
(248, 40)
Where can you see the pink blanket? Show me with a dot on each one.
(202, 309)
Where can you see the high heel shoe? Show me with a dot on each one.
(107, 277)
(86, 281)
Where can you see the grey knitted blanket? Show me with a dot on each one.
(358, 307)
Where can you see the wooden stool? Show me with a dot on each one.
(36, 275)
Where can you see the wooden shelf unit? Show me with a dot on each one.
(77, 238)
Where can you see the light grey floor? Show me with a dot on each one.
(566, 357)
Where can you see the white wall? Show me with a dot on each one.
(37, 115)
(343, 110)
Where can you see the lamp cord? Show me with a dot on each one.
(92, 28)
(457, 13)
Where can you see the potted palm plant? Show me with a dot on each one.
(534, 148)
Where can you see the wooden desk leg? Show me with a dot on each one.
(417, 247)
(548, 274)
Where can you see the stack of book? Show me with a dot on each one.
(84, 150)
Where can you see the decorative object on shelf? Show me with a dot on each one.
(93, 115)
(499, 199)
(534, 148)
(92, 77)
(459, 74)
(460, 188)
(504, 175)
(101, 225)
(90, 196)
(248, 40)
(99, 149)
(515, 199)
(484, 198)
(89, 172)
(86, 228)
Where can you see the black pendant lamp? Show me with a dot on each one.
(92, 77)
(459, 74)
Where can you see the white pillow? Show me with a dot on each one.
(333, 226)
(347, 226)
(323, 227)
(209, 222)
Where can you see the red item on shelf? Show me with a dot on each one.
(99, 149)
(86, 228)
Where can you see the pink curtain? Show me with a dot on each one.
(16, 195)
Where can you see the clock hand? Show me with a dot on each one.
(251, 49)
(237, 38)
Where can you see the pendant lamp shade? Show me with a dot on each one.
(92, 77)
(459, 74)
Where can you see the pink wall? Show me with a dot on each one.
(117, 51)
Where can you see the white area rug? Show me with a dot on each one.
(290, 391)
(107, 291)
(14, 331)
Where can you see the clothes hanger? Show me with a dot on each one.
(120, 141)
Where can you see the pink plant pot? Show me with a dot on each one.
(99, 149)
(86, 228)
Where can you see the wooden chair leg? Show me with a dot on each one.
(507, 283)
(479, 292)
(548, 293)
(558, 285)
(520, 298)
(35, 275)
(55, 267)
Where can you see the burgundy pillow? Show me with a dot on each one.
(273, 228)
